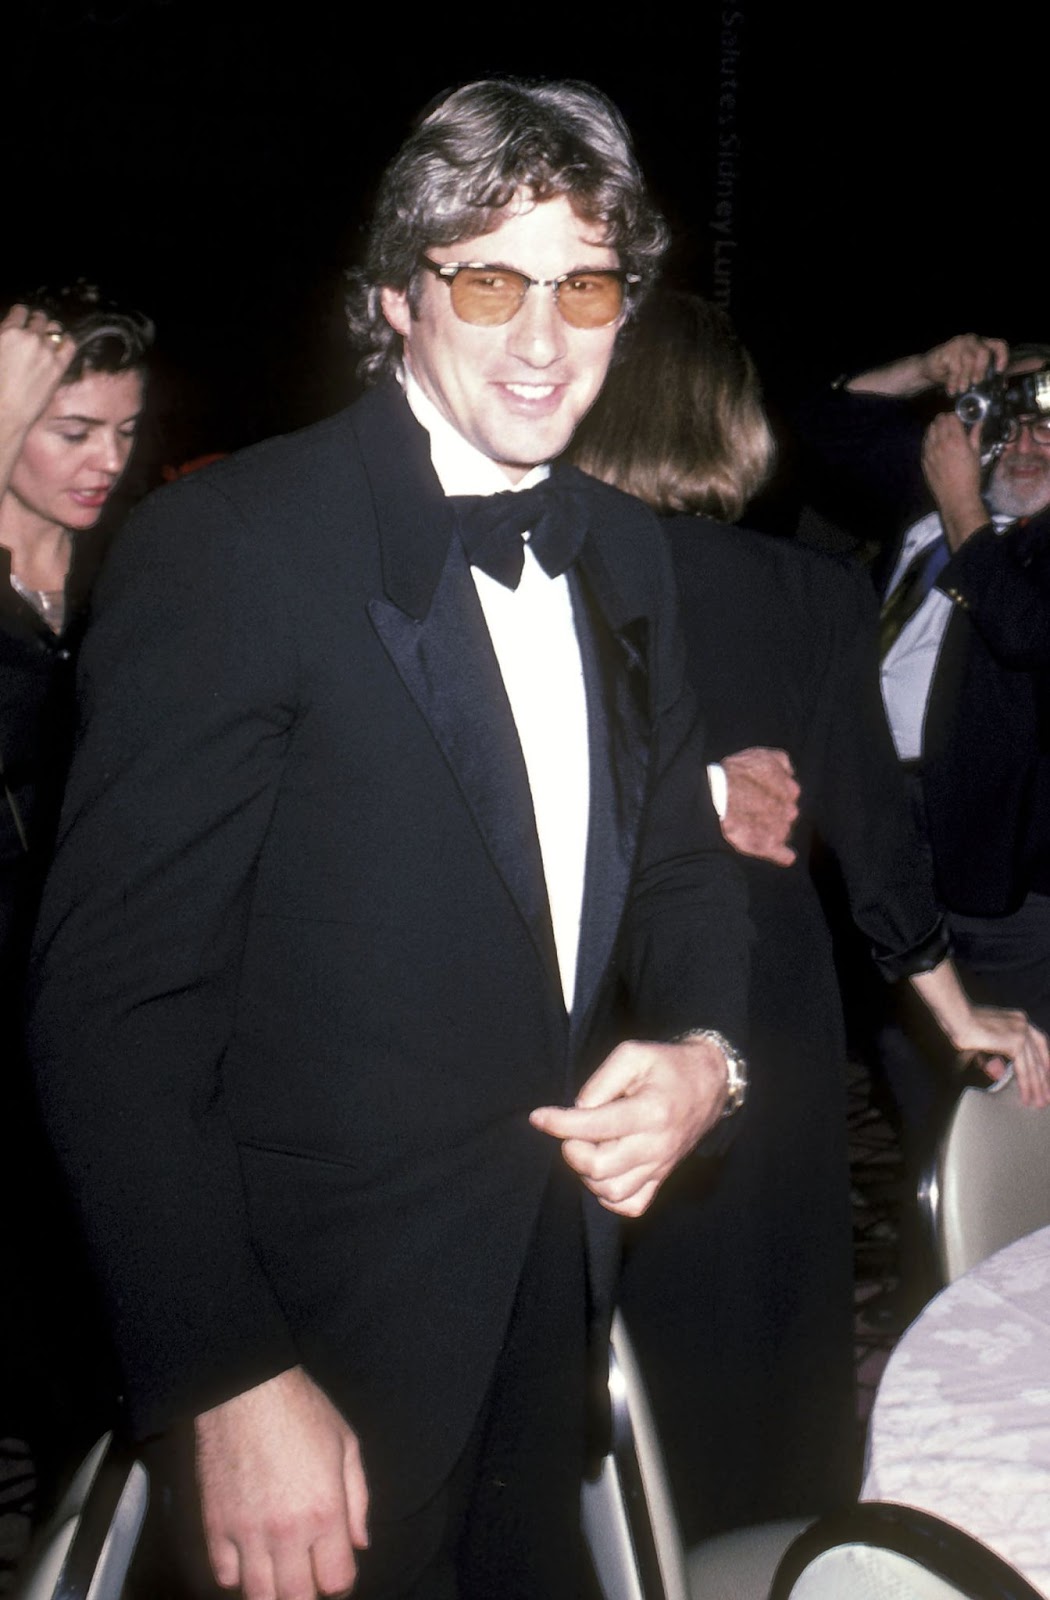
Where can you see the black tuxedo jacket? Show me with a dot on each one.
(986, 745)
(296, 990)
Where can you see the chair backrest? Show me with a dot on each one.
(863, 1573)
(628, 1515)
(740, 1564)
(878, 1551)
(987, 1184)
(85, 1550)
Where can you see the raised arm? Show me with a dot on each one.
(954, 366)
(34, 357)
(951, 464)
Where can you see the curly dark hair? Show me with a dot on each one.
(109, 337)
(463, 164)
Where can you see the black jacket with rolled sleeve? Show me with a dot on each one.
(739, 1283)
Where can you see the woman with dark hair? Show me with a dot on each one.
(71, 390)
(738, 1285)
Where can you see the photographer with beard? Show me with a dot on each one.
(966, 664)
(965, 644)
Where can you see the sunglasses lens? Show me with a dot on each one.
(490, 296)
(591, 300)
(487, 295)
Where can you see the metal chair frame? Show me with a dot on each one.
(937, 1547)
(97, 1526)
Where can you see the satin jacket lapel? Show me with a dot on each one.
(614, 637)
(614, 641)
(432, 627)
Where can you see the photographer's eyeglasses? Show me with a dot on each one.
(1038, 429)
(490, 296)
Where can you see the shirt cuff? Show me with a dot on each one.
(718, 784)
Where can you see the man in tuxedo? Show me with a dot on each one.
(386, 875)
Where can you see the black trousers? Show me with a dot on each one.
(506, 1521)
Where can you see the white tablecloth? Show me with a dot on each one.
(961, 1423)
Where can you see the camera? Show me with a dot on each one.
(999, 400)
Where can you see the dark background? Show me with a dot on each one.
(854, 182)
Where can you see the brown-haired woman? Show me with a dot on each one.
(738, 1287)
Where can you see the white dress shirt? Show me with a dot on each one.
(533, 636)
(911, 660)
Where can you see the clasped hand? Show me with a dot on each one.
(635, 1118)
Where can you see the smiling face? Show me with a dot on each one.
(76, 450)
(1020, 482)
(515, 391)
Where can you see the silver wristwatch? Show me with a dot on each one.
(736, 1066)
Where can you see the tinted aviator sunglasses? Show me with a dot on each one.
(490, 296)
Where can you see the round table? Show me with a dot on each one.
(961, 1422)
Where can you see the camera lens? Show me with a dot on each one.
(971, 407)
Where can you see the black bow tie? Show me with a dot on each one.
(491, 528)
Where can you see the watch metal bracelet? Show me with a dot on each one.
(736, 1066)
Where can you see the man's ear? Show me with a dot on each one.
(396, 309)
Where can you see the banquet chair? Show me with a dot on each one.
(629, 1522)
(85, 1550)
(878, 1551)
(985, 1184)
